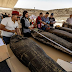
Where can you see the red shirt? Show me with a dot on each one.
(38, 22)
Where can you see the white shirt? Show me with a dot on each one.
(69, 20)
(10, 25)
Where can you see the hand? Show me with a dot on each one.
(19, 33)
(48, 25)
(35, 26)
(54, 22)
(51, 23)
(30, 28)
(13, 31)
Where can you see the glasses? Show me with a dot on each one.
(18, 17)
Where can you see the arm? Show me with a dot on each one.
(53, 21)
(40, 20)
(18, 31)
(2, 27)
(43, 22)
(2, 17)
(35, 24)
(67, 20)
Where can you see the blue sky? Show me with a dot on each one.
(44, 4)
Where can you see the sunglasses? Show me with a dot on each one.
(18, 17)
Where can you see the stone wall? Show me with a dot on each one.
(58, 13)
(62, 12)
(31, 11)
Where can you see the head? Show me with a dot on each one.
(15, 15)
(25, 14)
(41, 15)
(47, 14)
(9, 15)
(2, 14)
(5, 13)
(71, 16)
(51, 15)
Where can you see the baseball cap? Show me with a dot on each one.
(52, 14)
(15, 13)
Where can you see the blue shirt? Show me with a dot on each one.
(45, 19)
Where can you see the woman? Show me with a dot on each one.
(26, 29)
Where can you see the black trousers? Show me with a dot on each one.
(4, 67)
(27, 34)
(6, 39)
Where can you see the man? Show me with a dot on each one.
(52, 20)
(40, 22)
(6, 15)
(9, 26)
(3, 16)
(69, 20)
(9, 15)
(46, 20)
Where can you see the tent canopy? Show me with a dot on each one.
(8, 3)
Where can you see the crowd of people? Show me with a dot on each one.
(45, 22)
(9, 25)
(4, 16)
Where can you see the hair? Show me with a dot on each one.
(2, 14)
(8, 14)
(13, 14)
(47, 12)
(5, 13)
(41, 13)
(24, 13)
